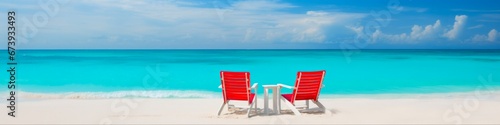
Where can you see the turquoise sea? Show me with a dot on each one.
(195, 73)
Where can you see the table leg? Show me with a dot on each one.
(307, 104)
(275, 102)
(266, 101)
(279, 100)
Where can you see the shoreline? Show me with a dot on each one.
(188, 94)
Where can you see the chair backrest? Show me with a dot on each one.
(235, 85)
(308, 85)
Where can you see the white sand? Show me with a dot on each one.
(467, 109)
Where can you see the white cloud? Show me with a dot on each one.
(256, 21)
(379, 36)
(259, 5)
(316, 13)
(460, 21)
(357, 30)
(406, 8)
(418, 33)
(491, 36)
(475, 27)
(489, 18)
(479, 38)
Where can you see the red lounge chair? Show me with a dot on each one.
(307, 87)
(236, 86)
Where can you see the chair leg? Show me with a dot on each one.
(320, 105)
(250, 109)
(279, 102)
(290, 105)
(221, 107)
(255, 101)
(255, 104)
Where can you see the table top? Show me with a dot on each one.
(269, 86)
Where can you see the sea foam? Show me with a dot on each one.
(123, 94)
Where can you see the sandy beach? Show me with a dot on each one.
(461, 108)
(142, 62)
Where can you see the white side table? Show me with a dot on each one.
(276, 99)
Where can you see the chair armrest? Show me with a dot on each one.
(220, 86)
(254, 86)
(286, 86)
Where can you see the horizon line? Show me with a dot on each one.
(247, 49)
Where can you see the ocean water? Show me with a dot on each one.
(195, 73)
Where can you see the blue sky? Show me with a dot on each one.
(255, 24)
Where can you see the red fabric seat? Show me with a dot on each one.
(287, 97)
(307, 86)
(252, 95)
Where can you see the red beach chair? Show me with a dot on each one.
(307, 87)
(236, 87)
